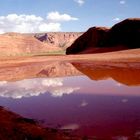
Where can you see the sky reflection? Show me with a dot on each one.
(57, 87)
(35, 87)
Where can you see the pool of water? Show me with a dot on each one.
(90, 99)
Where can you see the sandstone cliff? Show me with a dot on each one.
(21, 44)
(59, 39)
(13, 44)
(124, 35)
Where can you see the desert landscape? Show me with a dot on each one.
(49, 67)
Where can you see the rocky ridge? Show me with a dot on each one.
(123, 35)
(12, 44)
(59, 39)
(16, 44)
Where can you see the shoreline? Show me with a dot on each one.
(132, 55)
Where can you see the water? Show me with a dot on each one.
(92, 99)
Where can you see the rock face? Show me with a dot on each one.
(21, 44)
(88, 41)
(59, 39)
(12, 44)
(16, 127)
(124, 35)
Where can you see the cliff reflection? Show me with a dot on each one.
(124, 73)
(49, 69)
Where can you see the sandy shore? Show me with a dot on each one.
(132, 55)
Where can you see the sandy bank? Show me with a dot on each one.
(132, 55)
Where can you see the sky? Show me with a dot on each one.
(29, 16)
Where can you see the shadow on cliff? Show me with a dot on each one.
(123, 35)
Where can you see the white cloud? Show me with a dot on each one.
(48, 27)
(122, 2)
(57, 17)
(116, 19)
(80, 2)
(32, 23)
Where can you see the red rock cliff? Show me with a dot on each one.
(124, 35)
(59, 39)
(21, 44)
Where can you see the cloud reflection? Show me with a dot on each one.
(53, 82)
(70, 127)
(3, 83)
(120, 138)
(83, 103)
(65, 90)
(34, 87)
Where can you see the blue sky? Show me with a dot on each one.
(63, 15)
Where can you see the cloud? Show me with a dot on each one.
(34, 87)
(57, 17)
(80, 2)
(26, 24)
(122, 2)
(116, 19)
(32, 23)
(50, 27)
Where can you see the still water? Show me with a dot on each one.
(88, 98)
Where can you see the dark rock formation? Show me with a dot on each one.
(94, 37)
(124, 35)
(16, 127)
(41, 37)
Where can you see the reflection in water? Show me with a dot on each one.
(34, 87)
(70, 127)
(125, 73)
(106, 108)
(36, 70)
(83, 103)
